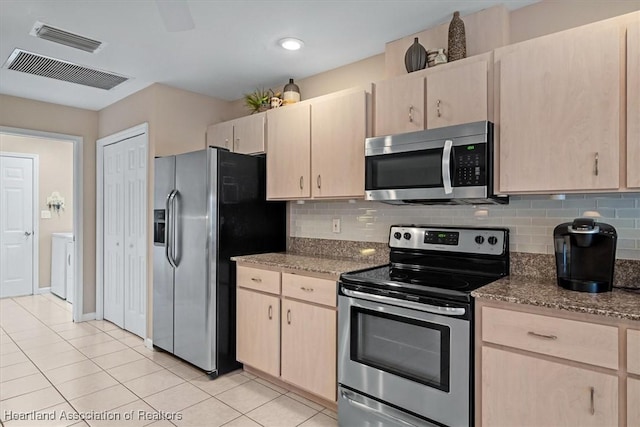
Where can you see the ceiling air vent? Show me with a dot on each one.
(32, 63)
(66, 38)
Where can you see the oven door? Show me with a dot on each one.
(415, 358)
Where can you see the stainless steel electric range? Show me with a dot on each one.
(405, 354)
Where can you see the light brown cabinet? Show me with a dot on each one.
(528, 391)
(289, 152)
(292, 334)
(633, 105)
(245, 135)
(633, 402)
(559, 111)
(316, 148)
(446, 95)
(258, 330)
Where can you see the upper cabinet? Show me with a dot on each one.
(244, 135)
(316, 148)
(633, 104)
(559, 111)
(446, 95)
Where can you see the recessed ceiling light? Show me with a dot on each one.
(291, 43)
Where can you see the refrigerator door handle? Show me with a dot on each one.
(168, 244)
(175, 256)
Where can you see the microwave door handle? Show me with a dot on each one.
(446, 165)
(428, 308)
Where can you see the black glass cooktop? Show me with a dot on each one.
(456, 286)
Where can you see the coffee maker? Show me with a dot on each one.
(585, 255)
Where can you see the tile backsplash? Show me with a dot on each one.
(531, 219)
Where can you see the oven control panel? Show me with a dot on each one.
(490, 241)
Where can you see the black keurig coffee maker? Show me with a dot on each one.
(585, 255)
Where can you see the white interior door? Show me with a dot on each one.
(135, 249)
(125, 226)
(16, 226)
(113, 239)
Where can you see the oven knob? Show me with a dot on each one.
(492, 240)
(479, 240)
(407, 236)
(397, 235)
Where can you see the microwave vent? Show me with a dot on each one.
(39, 65)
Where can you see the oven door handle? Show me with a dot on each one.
(435, 309)
(348, 397)
(446, 164)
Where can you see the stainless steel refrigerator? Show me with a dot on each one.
(209, 205)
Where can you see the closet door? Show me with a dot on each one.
(113, 234)
(135, 249)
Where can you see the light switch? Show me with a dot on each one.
(45, 214)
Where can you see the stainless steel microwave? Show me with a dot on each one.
(449, 165)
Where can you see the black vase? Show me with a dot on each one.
(416, 57)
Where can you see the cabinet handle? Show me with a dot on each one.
(69, 259)
(306, 289)
(226, 143)
(270, 312)
(256, 279)
(438, 108)
(596, 164)
(238, 142)
(301, 182)
(593, 405)
(289, 317)
(410, 113)
(318, 181)
(547, 337)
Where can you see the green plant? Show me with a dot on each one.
(258, 100)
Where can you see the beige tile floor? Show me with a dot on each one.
(51, 367)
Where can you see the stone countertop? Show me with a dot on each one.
(305, 263)
(620, 303)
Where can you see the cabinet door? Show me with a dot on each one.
(248, 134)
(633, 106)
(399, 105)
(527, 391)
(560, 112)
(289, 152)
(258, 331)
(69, 270)
(457, 95)
(338, 130)
(309, 347)
(633, 397)
(220, 135)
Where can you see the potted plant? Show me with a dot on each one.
(258, 100)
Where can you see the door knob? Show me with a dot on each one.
(27, 233)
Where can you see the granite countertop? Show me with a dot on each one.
(620, 303)
(313, 264)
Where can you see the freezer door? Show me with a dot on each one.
(194, 294)
(164, 184)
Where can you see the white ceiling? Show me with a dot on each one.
(232, 50)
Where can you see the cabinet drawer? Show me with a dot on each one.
(633, 351)
(568, 339)
(312, 289)
(258, 279)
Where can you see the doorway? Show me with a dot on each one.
(56, 206)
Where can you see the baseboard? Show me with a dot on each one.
(46, 290)
(88, 316)
(148, 342)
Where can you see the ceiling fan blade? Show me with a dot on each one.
(175, 15)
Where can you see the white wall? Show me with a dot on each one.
(530, 219)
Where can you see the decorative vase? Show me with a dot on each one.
(290, 93)
(440, 57)
(416, 57)
(457, 40)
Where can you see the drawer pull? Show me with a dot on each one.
(270, 312)
(256, 279)
(438, 108)
(410, 113)
(306, 289)
(289, 317)
(548, 337)
(593, 405)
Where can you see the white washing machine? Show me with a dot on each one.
(62, 265)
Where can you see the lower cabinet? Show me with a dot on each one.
(527, 391)
(309, 347)
(633, 402)
(258, 330)
(291, 335)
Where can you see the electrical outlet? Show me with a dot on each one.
(45, 214)
(336, 225)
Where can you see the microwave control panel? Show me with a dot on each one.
(470, 165)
